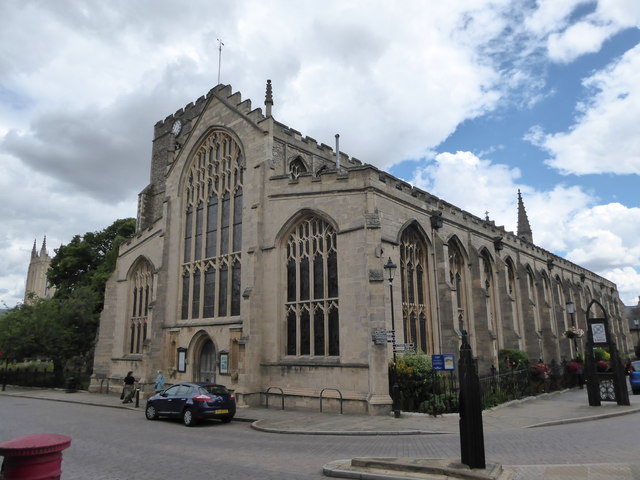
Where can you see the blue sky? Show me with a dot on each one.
(470, 100)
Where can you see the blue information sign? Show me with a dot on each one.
(443, 362)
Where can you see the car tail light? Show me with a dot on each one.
(202, 398)
(232, 397)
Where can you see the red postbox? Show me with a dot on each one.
(34, 457)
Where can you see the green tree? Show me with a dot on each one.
(65, 326)
(89, 260)
(54, 329)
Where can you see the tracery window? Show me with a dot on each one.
(512, 290)
(546, 289)
(141, 285)
(212, 237)
(562, 302)
(488, 284)
(533, 298)
(415, 291)
(457, 281)
(312, 317)
(297, 168)
(486, 274)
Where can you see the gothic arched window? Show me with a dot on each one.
(415, 290)
(491, 301)
(297, 168)
(512, 290)
(488, 285)
(561, 302)
(533, 298)
(312, 320)
(212, 238)
(141, 293)
(548, 300)
(457, 283)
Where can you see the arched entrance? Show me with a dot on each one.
(206, 366)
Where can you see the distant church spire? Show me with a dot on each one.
(524, 229)
(33, 250)
(43, 250)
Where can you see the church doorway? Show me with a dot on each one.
(206, 368)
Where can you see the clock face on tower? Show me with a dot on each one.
(177, 127)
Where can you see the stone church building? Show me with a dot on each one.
(259, 262)
(37, 283)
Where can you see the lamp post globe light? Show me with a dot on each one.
(390, 268)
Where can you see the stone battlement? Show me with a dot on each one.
(193, 109)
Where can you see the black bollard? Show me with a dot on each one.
(471, 431)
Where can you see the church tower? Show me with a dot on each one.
(37, 273)
(524, 229)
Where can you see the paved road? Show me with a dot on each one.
(112, 444)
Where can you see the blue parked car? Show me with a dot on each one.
(634, 377)
(192, 402)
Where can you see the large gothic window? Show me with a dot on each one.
(533, 298)
(561, 302)
(212, 239)
(140, 297)
(415, 291)
(457, 283)
(488, 287)
(312, 321)
(512, 290)
(548, 300)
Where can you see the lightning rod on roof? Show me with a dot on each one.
(220, 45)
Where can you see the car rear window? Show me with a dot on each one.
(636, 366)
(215, 389)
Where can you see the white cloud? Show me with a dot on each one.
(604, 138)
(601, 238)
(81, 92)
(567, 41)
(579, 39)
(605, 237)
(551, 15)
(628, 281)
(33, 205)
(478, 185)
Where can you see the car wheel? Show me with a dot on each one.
(151, 412)
(187, 418)
(226, 419)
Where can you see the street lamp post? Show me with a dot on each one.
(390, 267)
(571, 308)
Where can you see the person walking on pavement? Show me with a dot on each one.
(160, 382)
(129, 388)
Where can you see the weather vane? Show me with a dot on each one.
(220, 45)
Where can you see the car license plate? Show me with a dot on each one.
(221, 411)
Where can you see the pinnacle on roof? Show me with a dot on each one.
(43, 250)
(33, 250)
(268, 99)
(524, 229)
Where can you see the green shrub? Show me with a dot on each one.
(512, 359)
(438, 404)
(494, 399)
(601, 354)
(414, 379)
